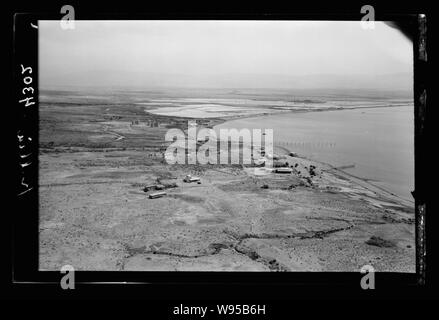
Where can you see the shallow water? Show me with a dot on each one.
(379, 142)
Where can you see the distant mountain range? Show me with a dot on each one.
(387, 82)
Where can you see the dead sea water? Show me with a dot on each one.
(378, 142)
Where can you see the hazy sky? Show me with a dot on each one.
(220, 53)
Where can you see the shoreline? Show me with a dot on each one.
(363, 182)
(381, 192)
(223, 119)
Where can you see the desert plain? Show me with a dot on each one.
(99, 149)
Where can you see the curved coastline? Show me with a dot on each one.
(381, 191)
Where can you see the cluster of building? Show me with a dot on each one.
(161, 187)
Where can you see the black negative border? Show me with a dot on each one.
(25, 252)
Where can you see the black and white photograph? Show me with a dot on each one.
(226, 146)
